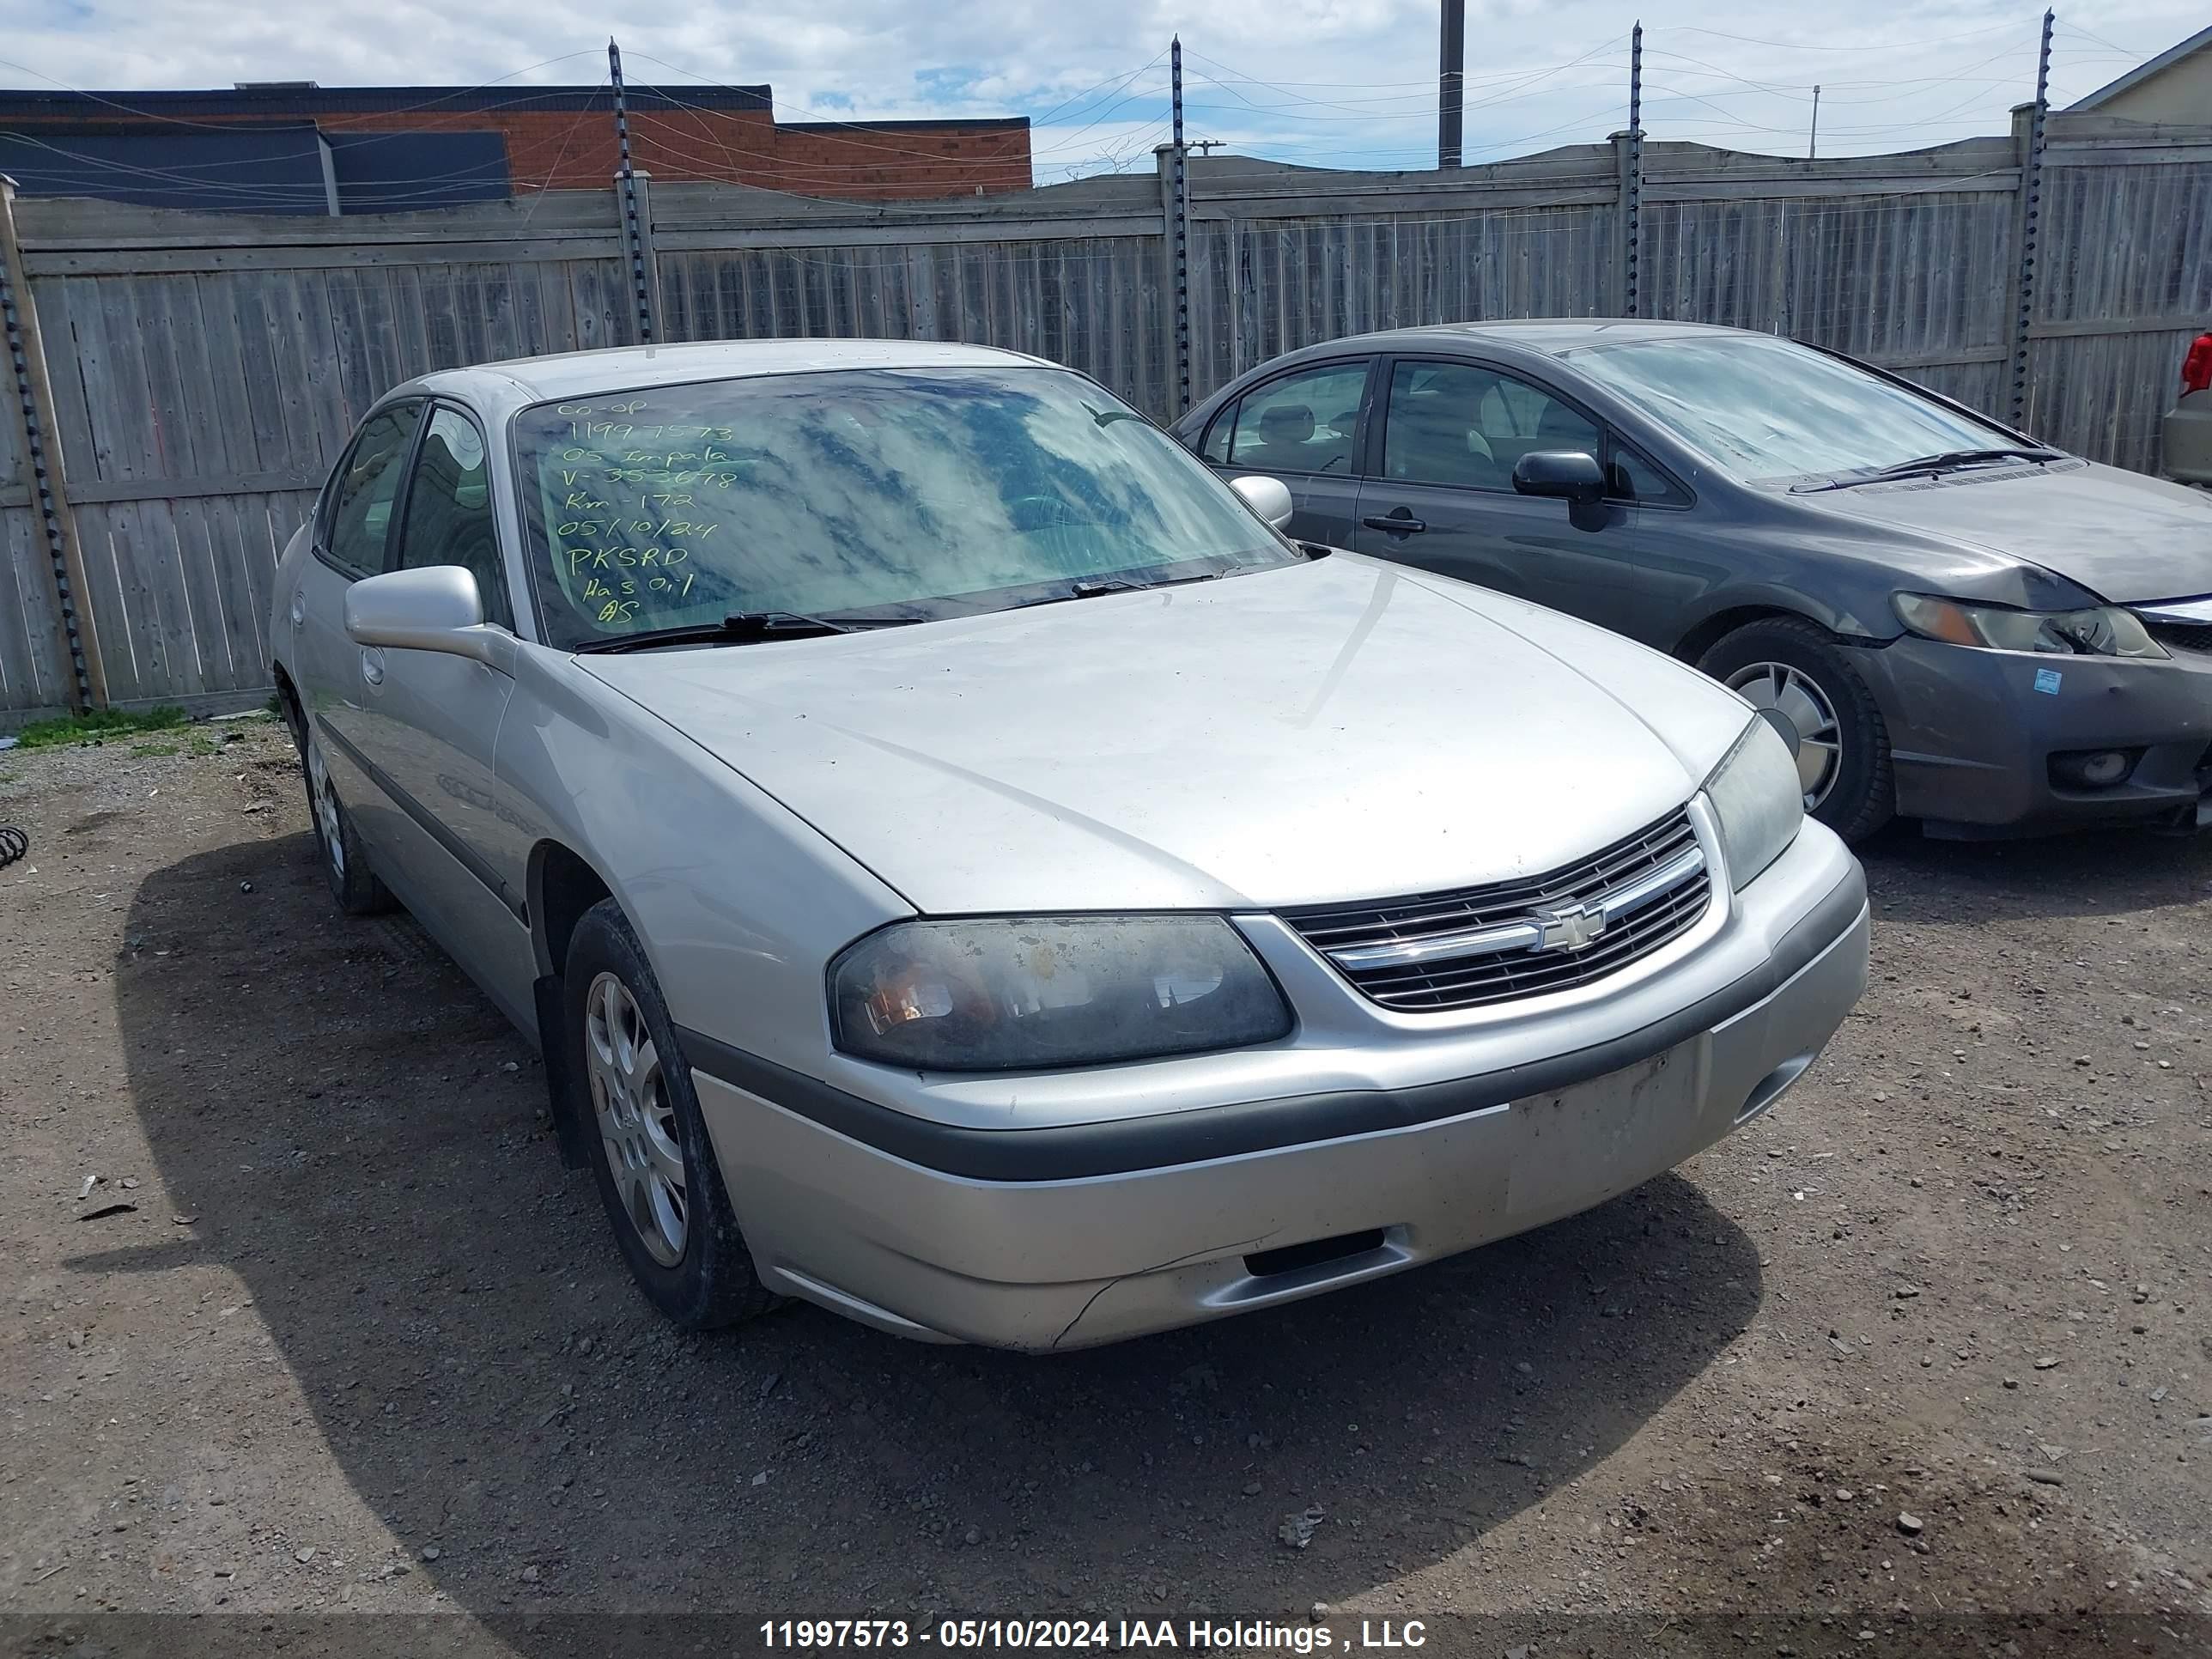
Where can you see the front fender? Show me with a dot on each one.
(738, 902)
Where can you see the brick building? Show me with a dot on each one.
(300, 148)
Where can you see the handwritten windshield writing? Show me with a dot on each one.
(628, 501)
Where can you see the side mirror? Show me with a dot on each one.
(1269, 498)
(436, 608)
(1573, 475)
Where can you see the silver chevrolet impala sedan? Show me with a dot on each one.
(965, 867)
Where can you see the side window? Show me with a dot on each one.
(362, 493)
(1635, 479)
(449, 515)
(1302, 423)
(1466, 424)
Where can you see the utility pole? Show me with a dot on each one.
(1451, 79)
(626, 182)
(1179, 185)
(1813, 141)
(2031, 214)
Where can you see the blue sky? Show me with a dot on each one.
(1327, 82)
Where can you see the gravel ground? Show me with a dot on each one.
(1920, 1362)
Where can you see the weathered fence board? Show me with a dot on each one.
(207, 368)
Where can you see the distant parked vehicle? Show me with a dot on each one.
(2185, 437)
(1943, 617)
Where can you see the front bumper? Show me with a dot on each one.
(1084, 1232)
(1971, 736)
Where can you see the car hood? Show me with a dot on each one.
(2125, 538)
(1333, 730)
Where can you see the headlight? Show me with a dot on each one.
(2104, 631)
(1758, 800)
(1013, 994)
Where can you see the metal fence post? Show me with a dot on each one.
(33, 398)
(2031, 214)
(635, 235)
(1632, 181)
(1179, 232)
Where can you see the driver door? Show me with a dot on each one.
(1442, 496)
(424, 725)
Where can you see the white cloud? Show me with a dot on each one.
(1329, 82)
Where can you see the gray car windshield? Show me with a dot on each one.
(861, 495)
(1759, 408)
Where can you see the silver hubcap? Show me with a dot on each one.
(637, 1126)
(328, 824)
(1795, 706)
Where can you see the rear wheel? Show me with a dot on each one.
(656, 1169)
(346, 864)
(1794, 675)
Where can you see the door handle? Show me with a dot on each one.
(372, 666)
(1401, 523)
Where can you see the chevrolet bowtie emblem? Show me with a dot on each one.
(1573, 929)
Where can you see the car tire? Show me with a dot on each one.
(654, 1162)
(337, 844)
(1793, 669)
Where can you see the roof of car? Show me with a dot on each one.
(1549, 335)
(581, 373)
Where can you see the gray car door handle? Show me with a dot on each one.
(1401, 523)
(372, 666)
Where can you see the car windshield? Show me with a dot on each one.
(876, 493)
(1760, 409)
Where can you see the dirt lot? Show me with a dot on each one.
(1920, 1362)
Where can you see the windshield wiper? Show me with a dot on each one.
(1943, 462)
(745, 628)
(1091, 587)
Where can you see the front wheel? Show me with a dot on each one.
(656, 1168)
(1794, 674)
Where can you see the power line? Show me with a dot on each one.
(1797, 45)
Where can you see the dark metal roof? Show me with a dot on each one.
(273, 167)
(261, 103)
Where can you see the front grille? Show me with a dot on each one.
(1479, 946)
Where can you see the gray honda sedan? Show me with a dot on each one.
(965, 868)
(1944, 618)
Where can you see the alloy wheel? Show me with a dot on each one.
(1793, 702)
(637, 1123)
(328, 823)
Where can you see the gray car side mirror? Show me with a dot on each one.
(435, 608)
(1269, 498)
(1573, 475)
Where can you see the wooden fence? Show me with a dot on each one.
(206, 369)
